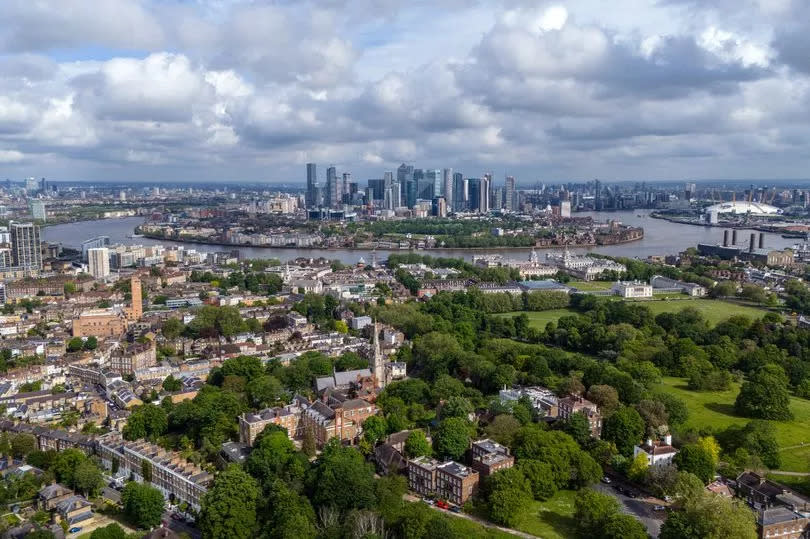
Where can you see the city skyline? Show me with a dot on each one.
(226, 91)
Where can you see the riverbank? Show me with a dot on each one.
(738, 226)
(379, 247)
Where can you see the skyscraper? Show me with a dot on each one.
(346, 189)
(509, 194)
(38, 211)
(26, 246)
(404, 176)
(473, 193)
(459, 193)
(447, 188)
(597, 201)
(435, 176)
(98, 261)
(312, 185)
(334, 192)
(483, 193)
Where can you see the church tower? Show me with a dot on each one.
(377, 366)
(136, 311)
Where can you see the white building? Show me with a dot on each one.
(632, 289)
(98, 261)
(657, 452)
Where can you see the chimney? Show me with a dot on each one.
(752, 242)
(725, 238)
(734, 237)
(668, 439)
(761, 240)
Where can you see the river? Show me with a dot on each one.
(660, 237)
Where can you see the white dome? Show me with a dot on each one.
(743, 207)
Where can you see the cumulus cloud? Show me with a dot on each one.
(229, 89)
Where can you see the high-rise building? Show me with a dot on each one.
(377, 189)
(565, 208)
(31, 185)
(38, 211)
(388, 178)
(509, 194)
(483, 193)
(404, 175)
(26, 246)
(334, 191)
(473, 193)
(459, 203)
(98, 262)
(393, 199)
(410, 193)
(597, 200)
(447, 187)
(136, 311)
(439, 207)
(312, 186)
(435, 176)
(346, 187)
(122, 195)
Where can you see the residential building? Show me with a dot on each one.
(76, 511)
(51, 495)
(658, 452)
(449, 480)
(128, 359)
(781, 512)
(98, 262)
(26, 246)
(573, 404)
(342, 420)
(544, 402)
(175, 477)
(251, 424)
(489, 457)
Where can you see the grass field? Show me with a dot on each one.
(713, 310)
(552, 519)
(591, 286)
(715, 409)
(800, 484)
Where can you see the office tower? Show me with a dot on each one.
(43, 185)
(424, 188)
(334, 191)
(473, 193)
(38, 211)
(509, 194)
(459, 203)
(404, 175)
(565, 208)
(377, 189)
(447, 187)
(98, 262)
(410, 193)
(690, 190)
(435, 176)
(483, 194)
(597, 201)
(26, 247)
(346, 187)
(388, 178)
(393, 199)
(31, 185)
(312, 185)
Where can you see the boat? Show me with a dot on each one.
(134, 236)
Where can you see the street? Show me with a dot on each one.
(641, 508)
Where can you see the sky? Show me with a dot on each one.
(232, 90)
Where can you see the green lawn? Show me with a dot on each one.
(591, 286)
(800, 484)
(712, 309)
(715, 409)
(552, 519)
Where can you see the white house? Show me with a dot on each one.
(632, 289)
(658, 452)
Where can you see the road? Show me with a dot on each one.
(180, 527)
(641, 508)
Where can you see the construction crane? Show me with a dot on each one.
(773, 196)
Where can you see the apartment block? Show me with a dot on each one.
(489, 457)
(449, 480)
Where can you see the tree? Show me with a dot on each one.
(452, 438)
(507, 505)
(265, 391)
(625, 428)
(676, 408)
(592, 511)
(605, 397)
(416, 445)
(343, 478)
(765, 395)
(22, 444)
(654, 413)
(146, 421)
(65, 464)
(503, 429)
(229, 506)
(578, 427)
(757, 437)
(710, 516)
(341, 326)
(375, 429)
(91, 343)
(87, 478)
(456, 407)
(172, 328)
(638, 468)
(110, 531)
(540, 476)
(75, 344)
(621, 526)
(143, 504)
(172, 384)
(710, 445)
(308, 445)
(697, 460)
(146, 471)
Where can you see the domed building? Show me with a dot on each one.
(743, 207)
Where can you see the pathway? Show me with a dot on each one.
(482, 522)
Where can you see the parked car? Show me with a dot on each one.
(75, 529)
(606, 480)
(429, 501)
(441, 504)
(659, 508)
(455, 509)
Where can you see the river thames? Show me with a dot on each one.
(660, 237)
